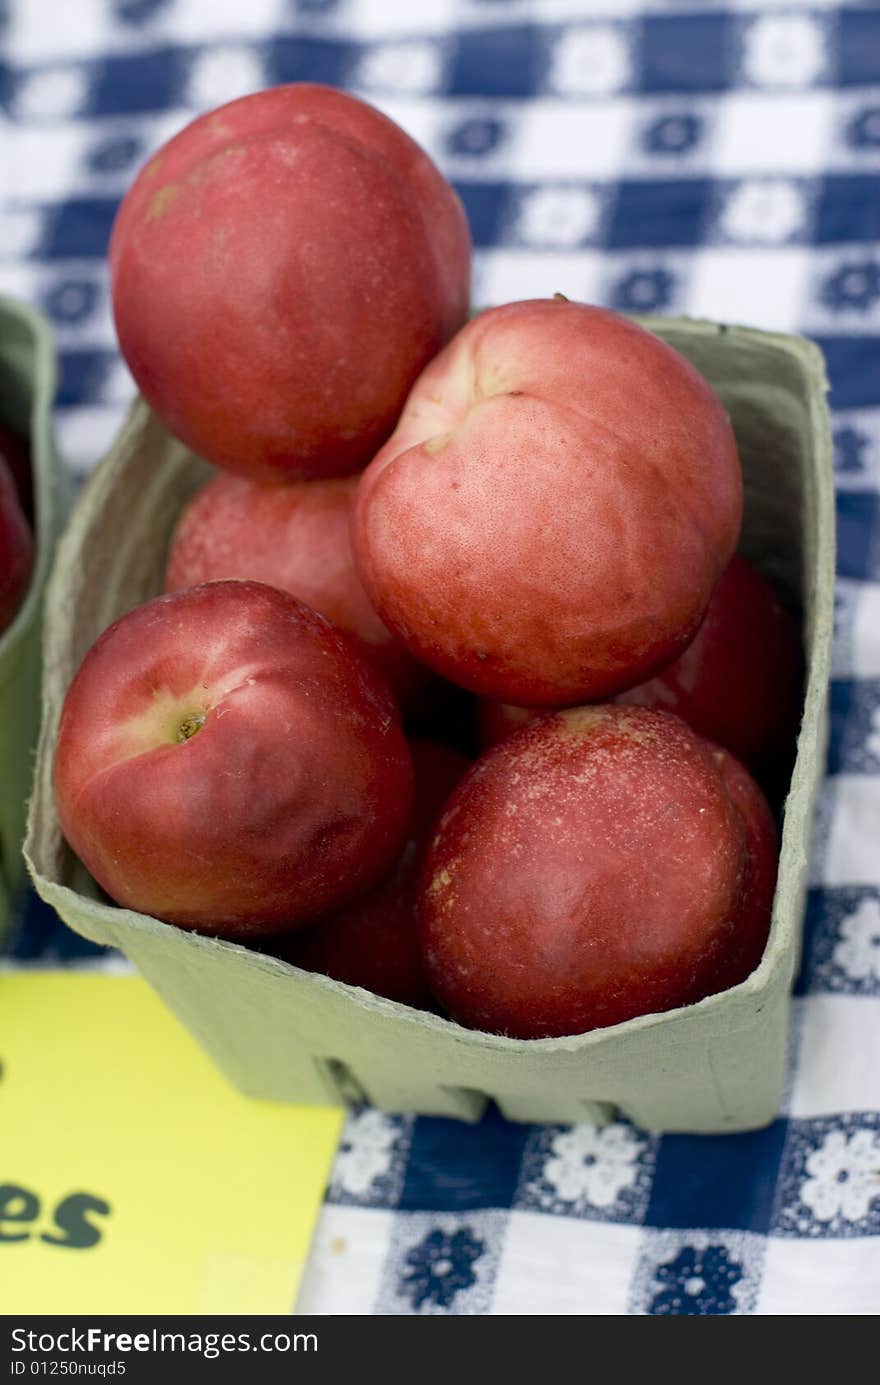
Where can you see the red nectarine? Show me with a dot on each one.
(739, 680)
(229, 761)
(281, 271)
(600, 863)
(547, 522)
(294, 537)
(737, 683)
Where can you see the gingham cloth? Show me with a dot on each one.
(675, 156)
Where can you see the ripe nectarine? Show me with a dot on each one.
(548, 520)
(600, 863)
(294, 537)
(281, 271)
(229, 761)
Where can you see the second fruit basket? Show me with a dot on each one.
(27, 388)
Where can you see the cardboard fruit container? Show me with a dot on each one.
(27, 388)
(282, 1033)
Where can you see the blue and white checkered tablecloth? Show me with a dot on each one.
(671, 155)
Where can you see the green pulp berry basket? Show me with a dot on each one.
(27, 387)
(282, 1033)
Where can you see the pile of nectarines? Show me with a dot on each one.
(539, 507)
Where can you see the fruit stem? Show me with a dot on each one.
(190, 725)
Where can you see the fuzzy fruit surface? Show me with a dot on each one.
(374, 942)
(601, 863)
(281, 271)
(295, 537)
(228, 761)
(16, 549)
(737, 683)
(547, 521)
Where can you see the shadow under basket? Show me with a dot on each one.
(285, 1034)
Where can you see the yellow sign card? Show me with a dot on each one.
(133, 1177)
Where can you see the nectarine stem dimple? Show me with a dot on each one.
(190, 725)
(437, 444)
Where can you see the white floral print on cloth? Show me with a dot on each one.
(785, 50)
(863, 130)
(850, 446)
(845, 942)
(856, 711)
(413, 67)
(853, 287)
(764, 210)
(21, 230)
(697, 1274)
(558, 216)
(601, 1172)
(442, 1264)
(830, 1179)
(591, 61)
(872, 740)
(223, 73)
(71, 302)
(673, 135)
(476, 137)
(858, 951)
(644, 290)
(370, 1164)
(844, 1176)
(54, 93)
